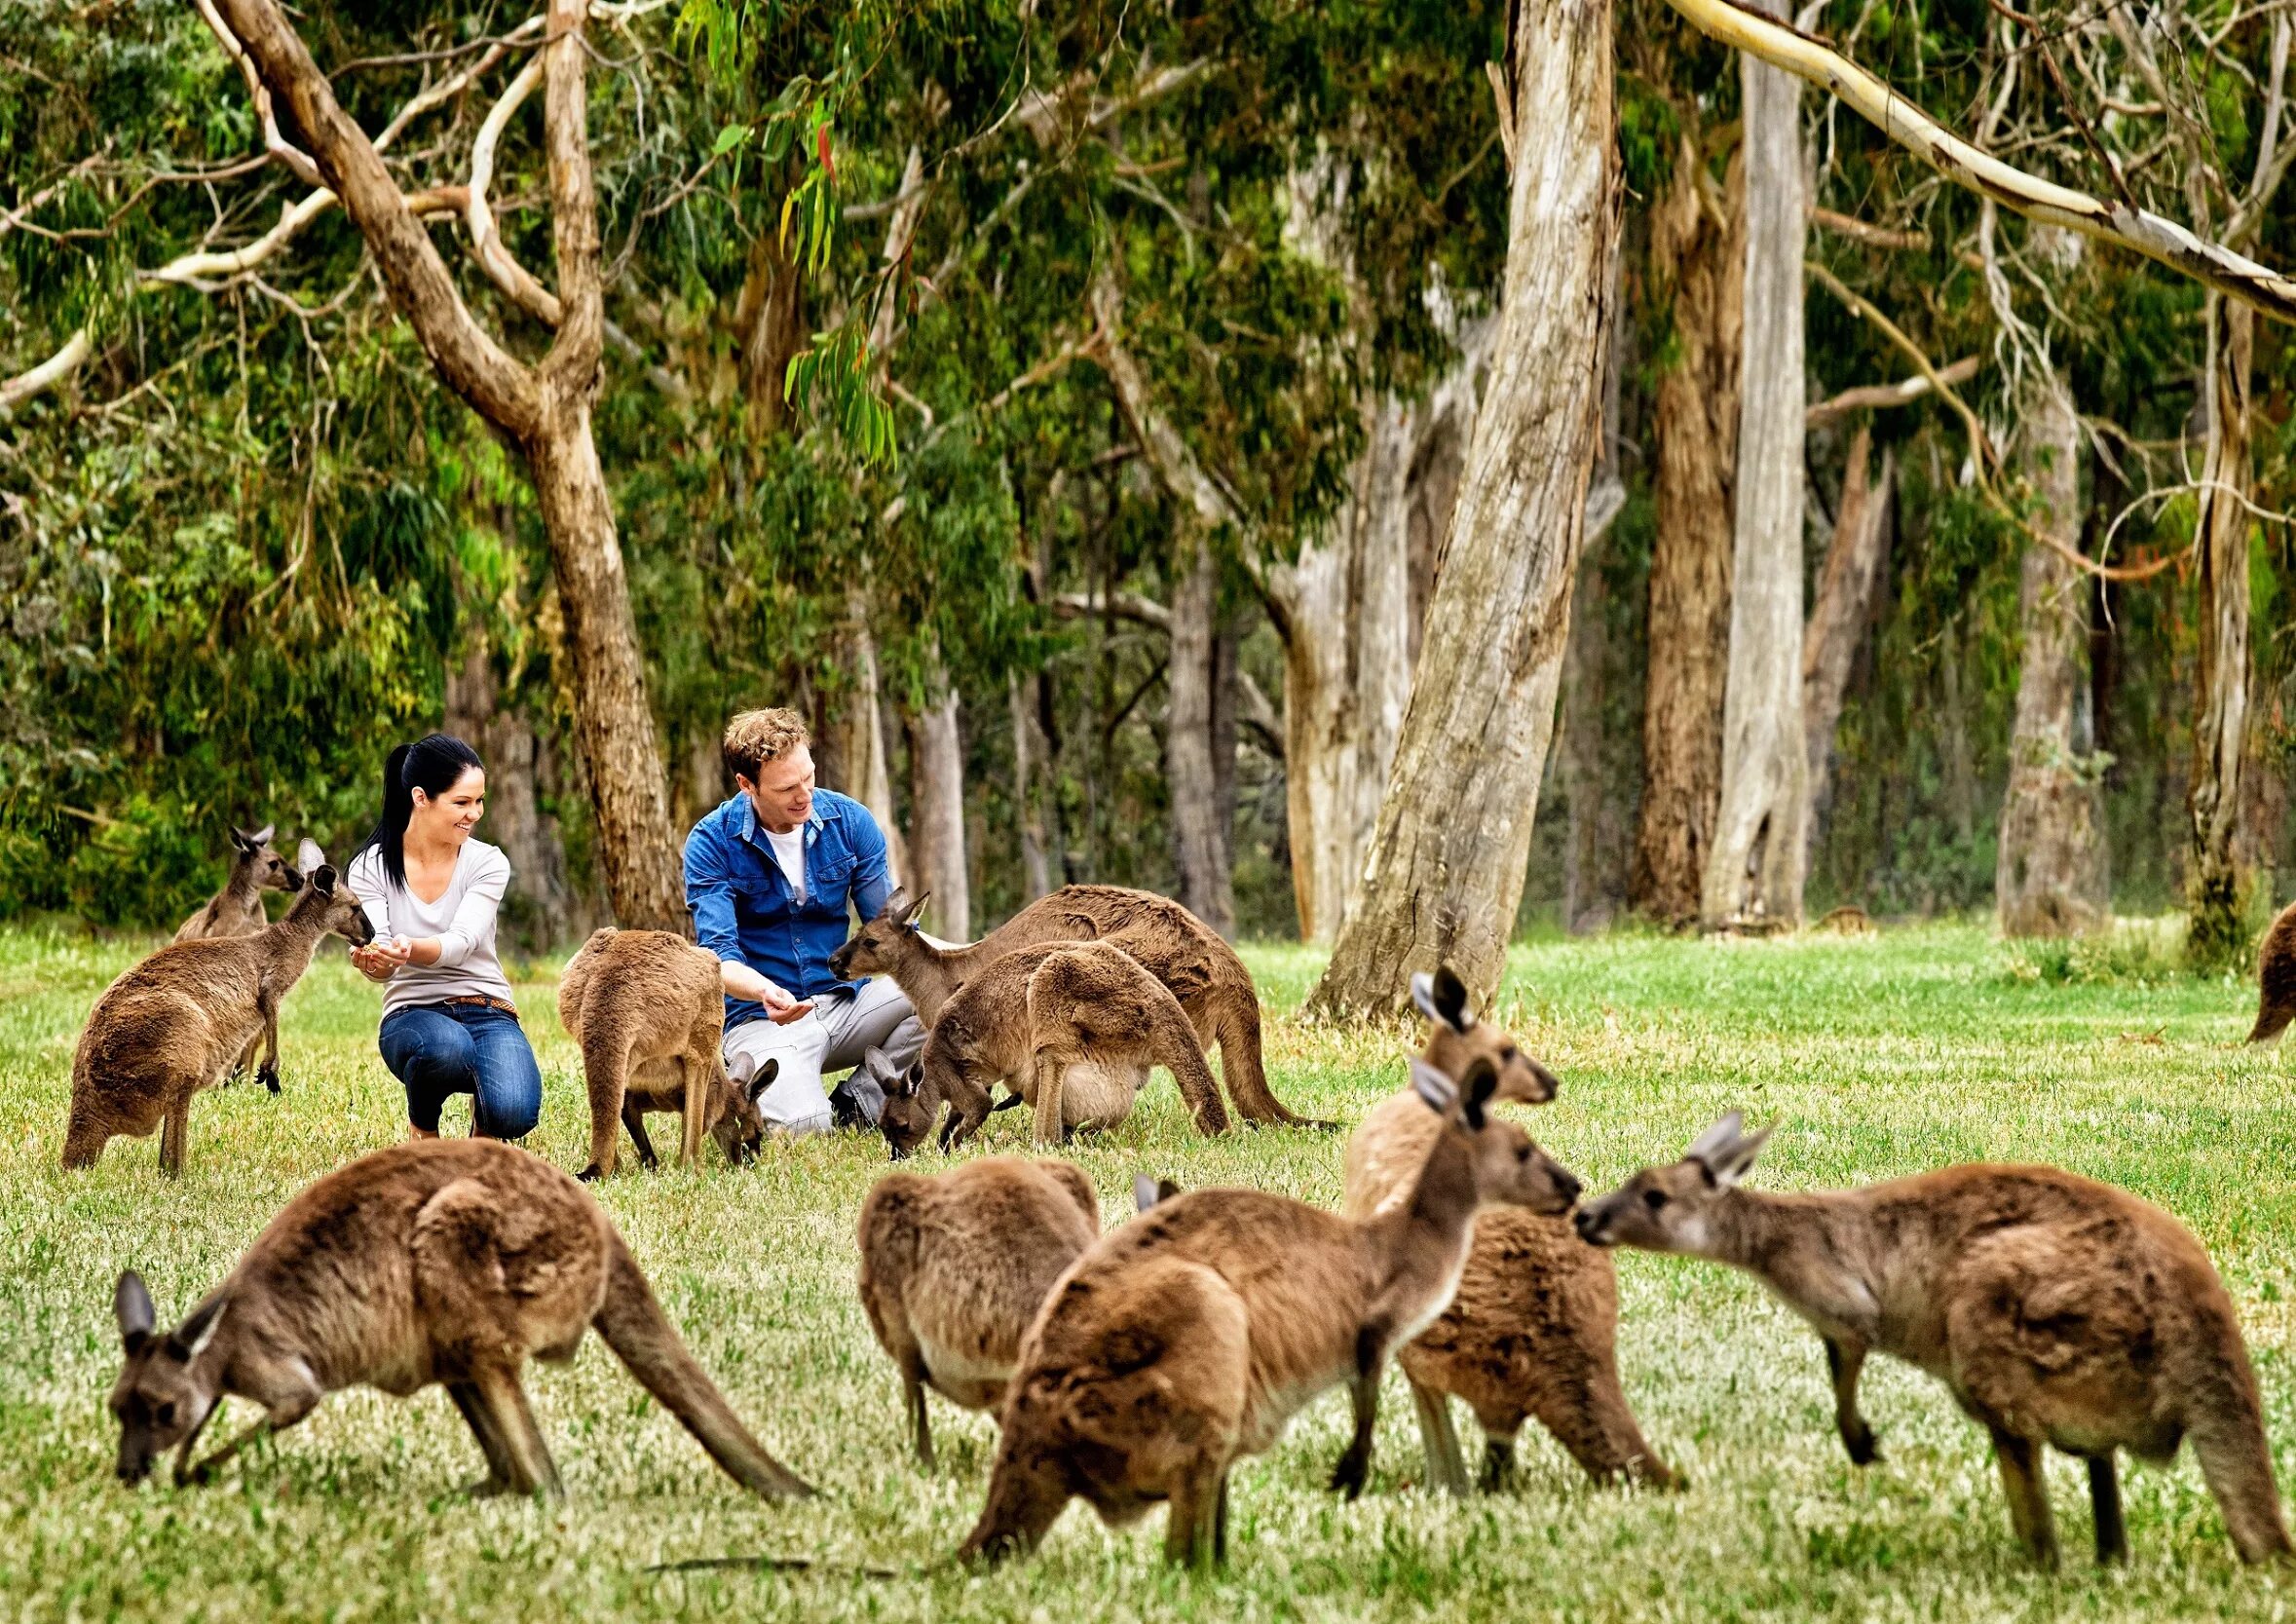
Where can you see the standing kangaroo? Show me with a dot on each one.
(1534, 1329)
(237, 910)
(437, 1260)
(1031, 1018)
(2055, 1310)
(177, 1022)
(649, 1013)
(1173, 945)
(1190, 1336)
(955, 1268)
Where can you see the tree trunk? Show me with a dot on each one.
(937, 828)
(2047, 878)
(772, 320)
(1753, 869)
(1193, 764)
(1703, 258)
(1036, 864)
(2218, 878)
(1445, 870)
(1596, 839)
(540, 909)
(862, 763)
(1838, 621)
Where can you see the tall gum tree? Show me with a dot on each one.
(542, 408)
(1446, 869)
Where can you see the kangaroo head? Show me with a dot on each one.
(1506, 1163)
(273, 872)
(1671, 1208)
(741, 1126)
(167, 1385)
(878, 947)
(328, 900)
(910, 1108)
(1457, 1040)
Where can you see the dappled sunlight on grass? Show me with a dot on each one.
(1875, 1056)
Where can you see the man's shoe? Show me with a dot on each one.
(858, 1102)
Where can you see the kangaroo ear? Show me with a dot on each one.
(1442, 997)
(262, 836)
(190, 1340)
(307, 856)
(132, 1307)
(1479, 1083)
(878, 1064)
(323, 879)
(244, 840)
(1726, 1129)
(913, 1079)
(910, 910)
(763, 1080)
(1144, 1192)
(1434, 1087)
(1735, 1161)
(1166, 1189)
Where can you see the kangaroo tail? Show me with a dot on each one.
(2227, 1430)
(2273, 1018)
(1235, 1026)
(605, 1070)
(1176, 1049)
(642, 1336)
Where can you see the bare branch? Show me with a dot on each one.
(297, 161)
(47, 375)
(1860, 231)
(1881, 396)
(486, 242)
(2139, 229)
(572, 364)
(1980, 450)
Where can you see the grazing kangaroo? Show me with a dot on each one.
(1034, 1017)
(1192, 1334)
(2055, 1310)
(1533, 1328)
(955, 1268)
(649, 1013)
(1173, 945)
(2276, 976)
(436, 1260)
(237, 910)
(175, 1023)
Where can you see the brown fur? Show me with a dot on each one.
(1190, 1336)
(437, 1260)
(954, 1268)
(1031, 1018)
(1173, 945)
(2275, 976)
(237, 910)
(178, 1021)
(2055, 1310)
(649, 1013)
(1534, 1329)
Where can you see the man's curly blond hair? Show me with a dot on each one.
(757, 736)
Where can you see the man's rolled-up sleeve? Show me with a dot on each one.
(709, 894)
(873, 873)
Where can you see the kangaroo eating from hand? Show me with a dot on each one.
(437, 1260)
(649, 1013)
(1179, 950)
(2055, 1310)
(1191, 1336)
(181, 1020)
(237, 910)
(1532, 1329)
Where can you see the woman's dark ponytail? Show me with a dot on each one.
(434, 764)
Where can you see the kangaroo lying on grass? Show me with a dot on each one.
(177, 1022)
(1192, 1336)
(2055, 1310)
(237, 910)
(1173, 945)
(1534, 1329)
(649, 1013)
(1036, 1018)
(954, 1268)
(446, 1260)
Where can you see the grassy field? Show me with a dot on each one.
(1874, 1057)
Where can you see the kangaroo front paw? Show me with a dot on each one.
(1348, 1477)
(268, 1077)
(591, 1174)
(1864, 1450)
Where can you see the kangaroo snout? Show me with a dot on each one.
(1566, 1186)
(1589, 1220)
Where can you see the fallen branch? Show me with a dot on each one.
(2139, 230)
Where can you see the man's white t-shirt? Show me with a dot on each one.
(789, 850)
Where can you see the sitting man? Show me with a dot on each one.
(769, 876)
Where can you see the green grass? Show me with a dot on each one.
(1874, 1057)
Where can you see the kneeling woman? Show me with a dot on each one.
(449, 1023)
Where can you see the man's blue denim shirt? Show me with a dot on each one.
(742, 909)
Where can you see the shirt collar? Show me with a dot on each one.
(749, 823)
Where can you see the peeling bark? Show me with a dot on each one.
(2218, 871)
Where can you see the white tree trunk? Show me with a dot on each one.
(1839, 618)
(1754, 872)
(1201, 772)
(863, 763)
(936, 831)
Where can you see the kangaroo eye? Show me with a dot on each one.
(1509, 1053)
(1523, 1152)
(1654, 1199)
(164, 1415)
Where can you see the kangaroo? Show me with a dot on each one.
(1173, 945)
(1191, 1336)
(2276, 976)
(648, 1010)
(954, 1268)
(1533, 1328)
(237, 910)
(1034, 1017)
(2055, 1310)
(175, 1023)
(436, 1260)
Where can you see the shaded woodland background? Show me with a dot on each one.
(1139, 353)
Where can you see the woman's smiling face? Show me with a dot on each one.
(451, 815)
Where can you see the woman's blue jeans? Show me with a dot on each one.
(438, 1049)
